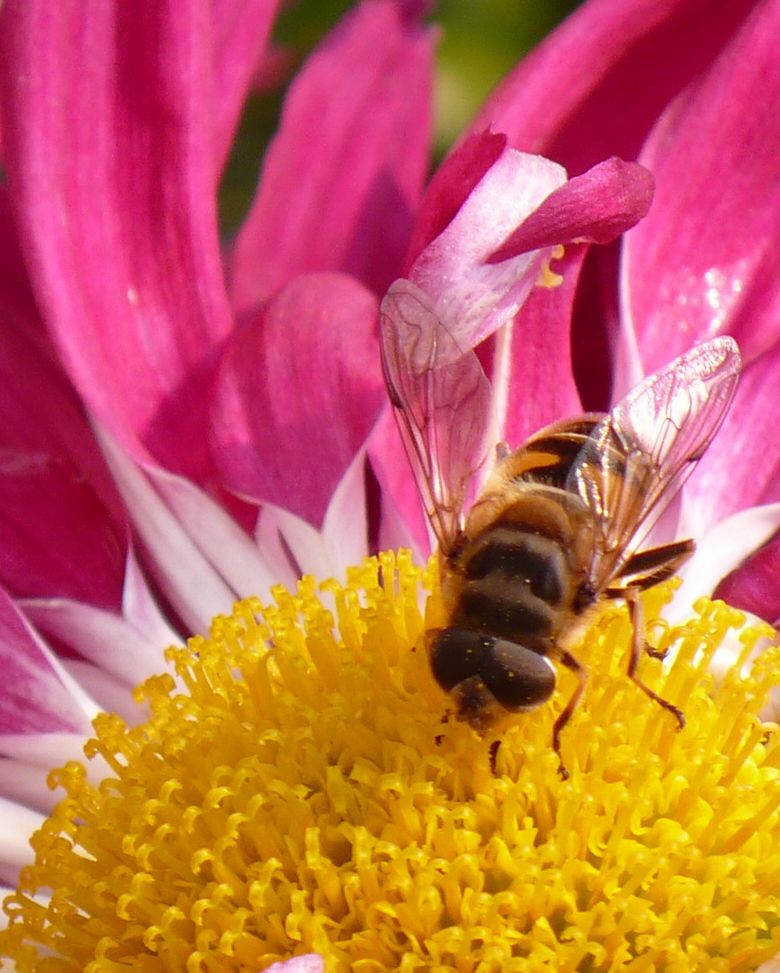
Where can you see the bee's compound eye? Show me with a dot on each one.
(518, 678)
(457, 654)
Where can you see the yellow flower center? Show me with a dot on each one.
(298, 791)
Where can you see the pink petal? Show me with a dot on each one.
(346, 169)
(540, 381)
(595, 207)
(38, 697)
(110, 161)
(705, 259)
(594, 87)
(299, 390)
(472, 297)
(62, 529)
(755, 585)
(240, 29)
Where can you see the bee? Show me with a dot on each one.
(551, 535)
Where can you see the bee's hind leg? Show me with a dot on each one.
(644, 570)
(638, 643)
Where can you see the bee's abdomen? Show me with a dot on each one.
(515, 581)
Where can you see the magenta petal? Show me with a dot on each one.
(240, 31)
(541, 385)
(705, 259)
(755, 585)
(595, 207)
(110, 161)
(297, 394)
(62, 529)
(346, 169)
(37, 696)
(594, 87)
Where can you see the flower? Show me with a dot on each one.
(152, 412)
(299, 792)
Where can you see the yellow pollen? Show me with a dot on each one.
(297, 791)
(547, 276)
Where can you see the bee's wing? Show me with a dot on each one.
(640, 454)
(442, 401)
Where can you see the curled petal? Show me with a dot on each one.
(595, 207)
(299, 389)
(471, 296)
(346, 169)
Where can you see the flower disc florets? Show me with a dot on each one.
(298, 791)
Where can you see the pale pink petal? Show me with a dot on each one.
(226, 546)
(345, 171)
(38, 695)
(26, 784)
(240, 31)
(300, 964)
(109, 640)
(109, 158)
(299, 390)
(705, 259)
(187, 577)
(295, 548)
(293, 545)
(472, 297)
(110, 695)
(17, 823)
(345, 525)
(594, 87)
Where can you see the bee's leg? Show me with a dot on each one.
(638, 642)
(579, 670)
(502, 451)
(646, 569)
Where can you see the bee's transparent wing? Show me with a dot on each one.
(639, 455)
(442, 401)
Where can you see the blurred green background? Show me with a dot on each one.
(480, 41)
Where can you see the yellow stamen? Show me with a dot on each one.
(302, 794)
(547, 276)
